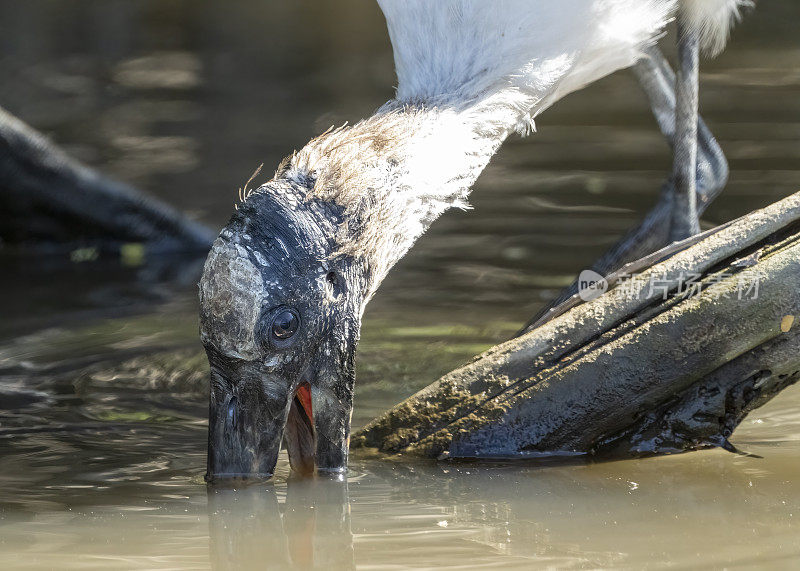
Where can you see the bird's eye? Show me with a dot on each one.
(285, 324)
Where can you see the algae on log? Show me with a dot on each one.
(670, 359)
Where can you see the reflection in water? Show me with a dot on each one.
(684, 509)
(317, 523)
(312, 531)
(245, 526)
(56, 290)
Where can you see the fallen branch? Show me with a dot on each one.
(671, 360)
(49, 199)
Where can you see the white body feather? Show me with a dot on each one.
(470, 72)
(533, 51)
(713, 20)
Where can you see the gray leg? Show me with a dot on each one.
(685, 221)
(658, 82)
(711, 174)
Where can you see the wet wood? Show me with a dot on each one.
(672, 357)
(49, 201)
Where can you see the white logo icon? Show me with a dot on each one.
(591, 285)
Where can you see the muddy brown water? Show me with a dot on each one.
(102, 404)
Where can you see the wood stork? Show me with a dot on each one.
(286, 282)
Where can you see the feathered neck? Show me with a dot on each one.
(395, 173)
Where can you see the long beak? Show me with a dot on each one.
(250, 415)
(245, 425)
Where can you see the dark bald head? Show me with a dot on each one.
(280, 313)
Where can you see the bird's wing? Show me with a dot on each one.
(545, 48)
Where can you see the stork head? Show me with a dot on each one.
(280, 317)
(287, 280)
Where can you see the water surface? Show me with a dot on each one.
(102, 382)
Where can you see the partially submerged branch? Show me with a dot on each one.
(671, 358)
(49, 199)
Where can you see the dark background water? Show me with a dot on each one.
(102, 407)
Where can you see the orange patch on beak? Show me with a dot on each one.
(299, 435)
(303, 394)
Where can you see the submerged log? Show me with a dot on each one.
(49, 200)
(672, 357)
